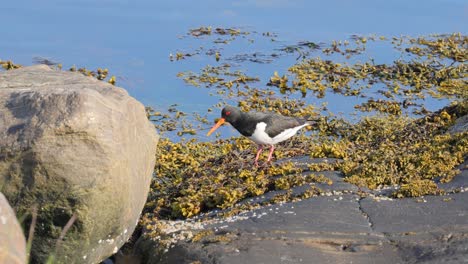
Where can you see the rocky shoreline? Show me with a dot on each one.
(343, 225)
(77, 148)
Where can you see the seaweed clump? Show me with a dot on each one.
(417, 188)
(194, 177)
(99, 73)
(400, 151)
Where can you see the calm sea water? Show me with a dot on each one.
(134, 38)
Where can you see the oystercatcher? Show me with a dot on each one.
(262, 128)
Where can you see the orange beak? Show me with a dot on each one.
(218, 124)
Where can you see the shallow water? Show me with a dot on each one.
(134, 38)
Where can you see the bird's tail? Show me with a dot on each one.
(313, 120)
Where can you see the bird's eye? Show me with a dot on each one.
(228, 113)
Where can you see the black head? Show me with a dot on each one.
(231, 114)
(228, 114)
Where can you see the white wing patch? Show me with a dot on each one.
(261, 137)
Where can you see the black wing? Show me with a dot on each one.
(278, 123)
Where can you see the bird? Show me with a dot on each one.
(265, 129)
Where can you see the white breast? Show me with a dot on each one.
(261, 137)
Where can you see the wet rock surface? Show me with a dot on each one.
(345, 224)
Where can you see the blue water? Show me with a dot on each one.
(134, 38)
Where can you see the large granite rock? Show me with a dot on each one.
(343, 225)
(12, 242)
(74, 145)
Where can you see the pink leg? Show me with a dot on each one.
(259, 150)
(272, 148)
